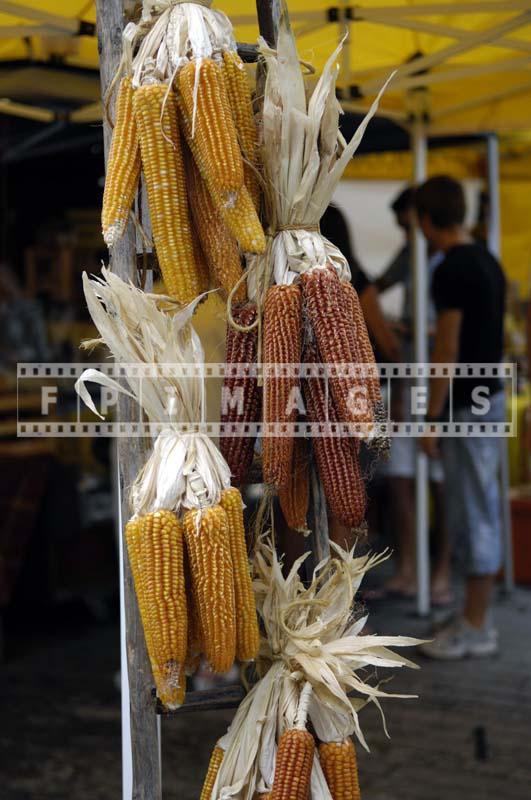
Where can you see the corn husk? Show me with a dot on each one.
(169, 35)
(184, 470)
(310, 637)
(304, 156)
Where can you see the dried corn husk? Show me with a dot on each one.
(304, 156)
(184, 470)
(310, 637)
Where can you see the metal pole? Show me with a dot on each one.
(420, 283)
(494, 244)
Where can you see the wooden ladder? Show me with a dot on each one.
(142, 763)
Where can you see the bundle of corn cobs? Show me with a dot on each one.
(184, 119)
(318, 362)
(310, 659)
(186, 539)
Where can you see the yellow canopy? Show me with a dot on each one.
(473, 57)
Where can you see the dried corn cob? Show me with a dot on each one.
(241, 349)
(123, 167)
(363, 342)
(205, 103)
(206, 535)
(213, 768)
(155, 548)
(339, 763)
(241, 104)
(337, 461)
(247, 634)
(325, 305)
(217, 242)
(237, 210)
(294, 497)
(195, 639)
(181, 262)
(242, 220)
(294, 760)
(282, 346)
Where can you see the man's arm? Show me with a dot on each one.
(396, 272)
(445, 351)
(377, 324)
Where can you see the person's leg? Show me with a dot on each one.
(440, 582)
(402, 491)
(477, 599)
(471, 471)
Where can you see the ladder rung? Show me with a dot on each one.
(207, 700)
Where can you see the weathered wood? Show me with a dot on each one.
(131, 457)
(217, 699)
(248, 52)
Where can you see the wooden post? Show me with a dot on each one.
(145, 745)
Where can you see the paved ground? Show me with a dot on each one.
(466, 737)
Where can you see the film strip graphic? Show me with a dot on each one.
(57, 411)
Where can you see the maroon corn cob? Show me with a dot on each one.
(336, 339)
(337, 461)
(282, 345)
(295, 496)
(241, 349)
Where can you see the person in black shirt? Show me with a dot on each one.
(468, 289)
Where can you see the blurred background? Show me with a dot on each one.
(60, 731)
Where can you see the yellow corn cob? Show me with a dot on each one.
(237, 209)
(207, 542)
(295, 495)
(241, 104)
(247, 634)
(155, 548)
(217, 242)
(123, 167)
(338, 760)
(181, 262)
(293, 767)
(205, 103)
(212, 772)
(195, 637)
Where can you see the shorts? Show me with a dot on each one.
(402, 460)
(473, 499)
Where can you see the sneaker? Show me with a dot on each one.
(459, 639)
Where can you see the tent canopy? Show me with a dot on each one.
(464, 64)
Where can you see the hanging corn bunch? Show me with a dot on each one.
(179, 501)
(302, 283)
(185, 53)
(313, 654)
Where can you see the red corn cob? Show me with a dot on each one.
(294, 497)
(282, 345)
(337, 461)
(241, 349)
(337, 342)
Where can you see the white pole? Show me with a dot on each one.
(494, 244)
(420, 283)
